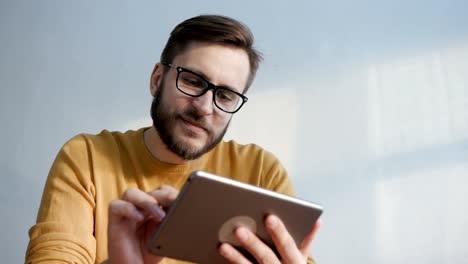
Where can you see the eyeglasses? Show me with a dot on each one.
(192, 84)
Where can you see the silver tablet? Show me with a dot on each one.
(209, 208)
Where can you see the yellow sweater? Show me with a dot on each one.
(92, 170)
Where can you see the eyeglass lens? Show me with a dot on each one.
(194, 85)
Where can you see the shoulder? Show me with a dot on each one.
(251, 157)
(105, 141)
(254, 164)
(246, 152)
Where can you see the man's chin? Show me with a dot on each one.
(187, 143)
(188, 151)
(193, 145)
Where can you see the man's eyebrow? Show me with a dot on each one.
(208, 79)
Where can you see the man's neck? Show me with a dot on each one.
(158, 149)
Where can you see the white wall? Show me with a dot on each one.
(365, 102)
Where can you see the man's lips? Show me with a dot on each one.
(194, 124)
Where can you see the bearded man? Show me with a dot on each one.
(106, 194)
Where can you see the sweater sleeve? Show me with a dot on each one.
(274, 176)
(64, 229)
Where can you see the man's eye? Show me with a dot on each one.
(191, 81)
(226, 96)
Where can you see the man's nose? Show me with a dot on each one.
(204, 103)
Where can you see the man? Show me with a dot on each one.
(106, 194)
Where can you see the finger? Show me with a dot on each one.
(231, 254)
(150, 229)
(261, 252)
(165, 195)
(284, 242)
(307, 242)
(145, 202)
(120, 208)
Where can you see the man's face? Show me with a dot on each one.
(191, 126)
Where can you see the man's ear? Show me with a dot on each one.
(156, 78)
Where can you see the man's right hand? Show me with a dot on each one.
(132, 220)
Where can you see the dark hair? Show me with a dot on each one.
(213, 29)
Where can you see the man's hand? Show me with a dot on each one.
(284, 243)
(132, 220)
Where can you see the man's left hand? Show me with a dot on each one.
(284, 243)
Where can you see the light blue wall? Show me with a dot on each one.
(366, 103)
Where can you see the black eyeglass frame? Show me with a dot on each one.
(210, 86)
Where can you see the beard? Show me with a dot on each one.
(165, 122)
